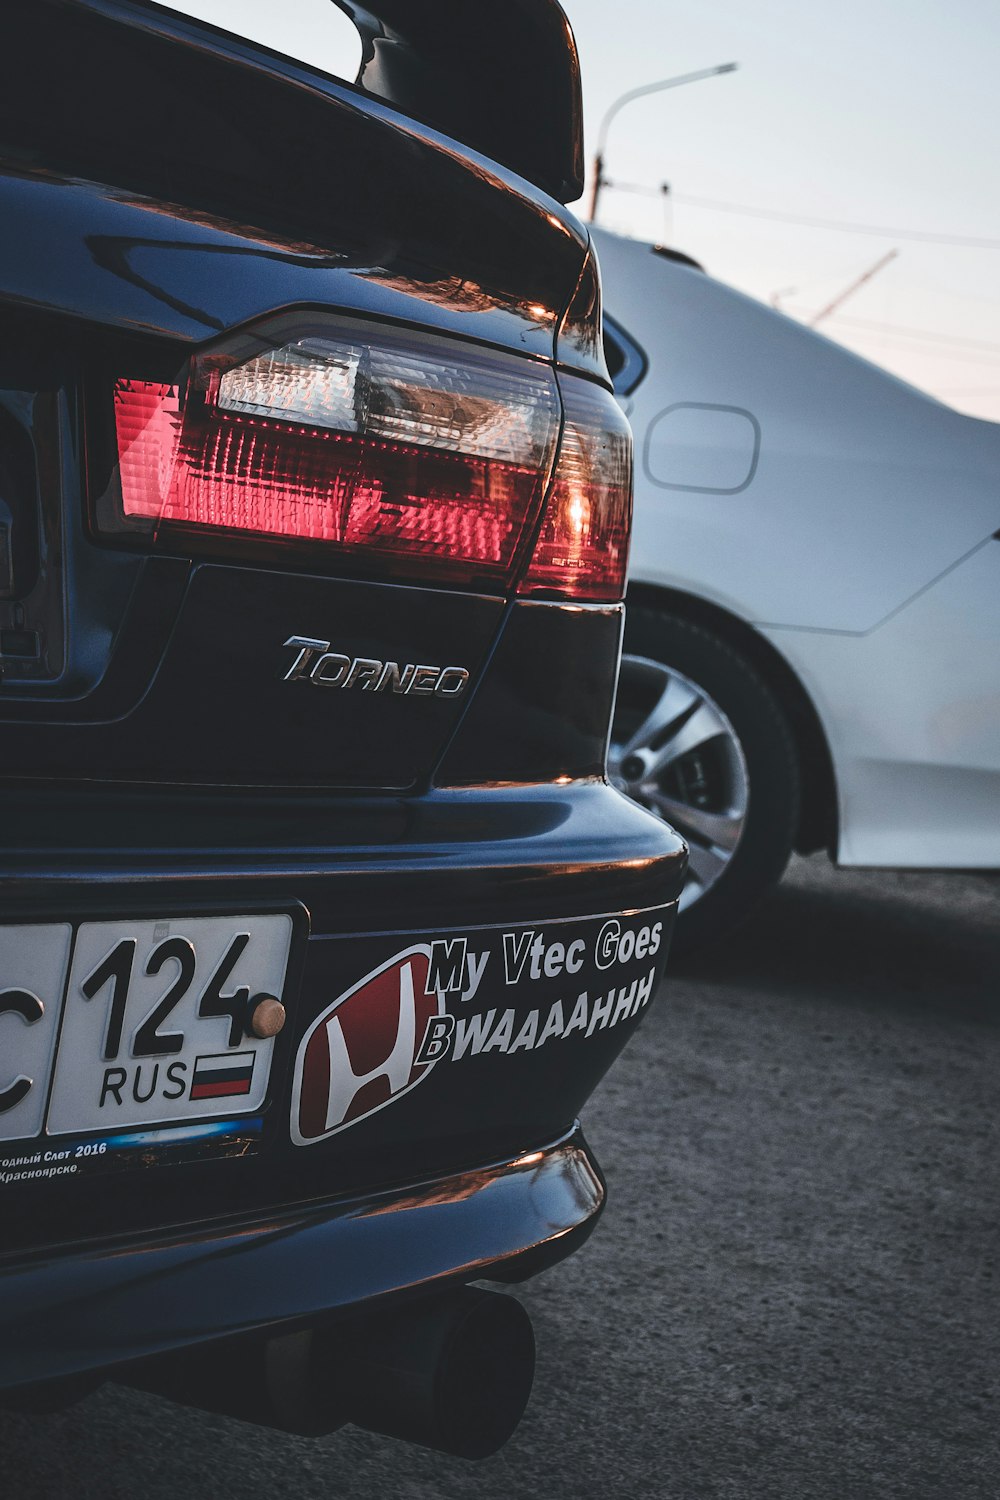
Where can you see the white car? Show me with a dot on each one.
(812, 652)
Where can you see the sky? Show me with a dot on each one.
(875, 113)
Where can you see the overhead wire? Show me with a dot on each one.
(917, 333)
(950, 346)
(970, 241)
(964, 356)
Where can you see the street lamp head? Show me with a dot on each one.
(639, 93)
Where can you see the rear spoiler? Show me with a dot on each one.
(503, 76)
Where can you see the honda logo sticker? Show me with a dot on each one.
(363, 1051)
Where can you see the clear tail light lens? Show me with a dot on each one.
(414, 456)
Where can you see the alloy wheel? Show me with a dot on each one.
(676, 753)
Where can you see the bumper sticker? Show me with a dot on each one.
(132, 1150)
(382, 1037)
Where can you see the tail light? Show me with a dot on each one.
(582, 547)
(396, 454)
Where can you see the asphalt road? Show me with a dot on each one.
(792, 1292)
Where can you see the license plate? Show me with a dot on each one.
(134, 1022)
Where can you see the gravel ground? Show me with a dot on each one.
(792, 1292)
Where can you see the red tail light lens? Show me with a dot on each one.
(415, 456)
(582, 547)
(423, 457)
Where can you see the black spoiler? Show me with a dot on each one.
(502, 76)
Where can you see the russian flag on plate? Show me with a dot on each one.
(222, 1074)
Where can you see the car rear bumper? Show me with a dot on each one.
(478, 1171)
(95, 1307)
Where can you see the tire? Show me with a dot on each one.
(700, 740)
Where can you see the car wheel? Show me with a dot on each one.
(700, 740)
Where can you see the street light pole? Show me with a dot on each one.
(647, 88)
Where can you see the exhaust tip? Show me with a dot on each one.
(453, 1374)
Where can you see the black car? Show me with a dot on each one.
(319, 921)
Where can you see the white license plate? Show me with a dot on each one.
(134, 1023)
